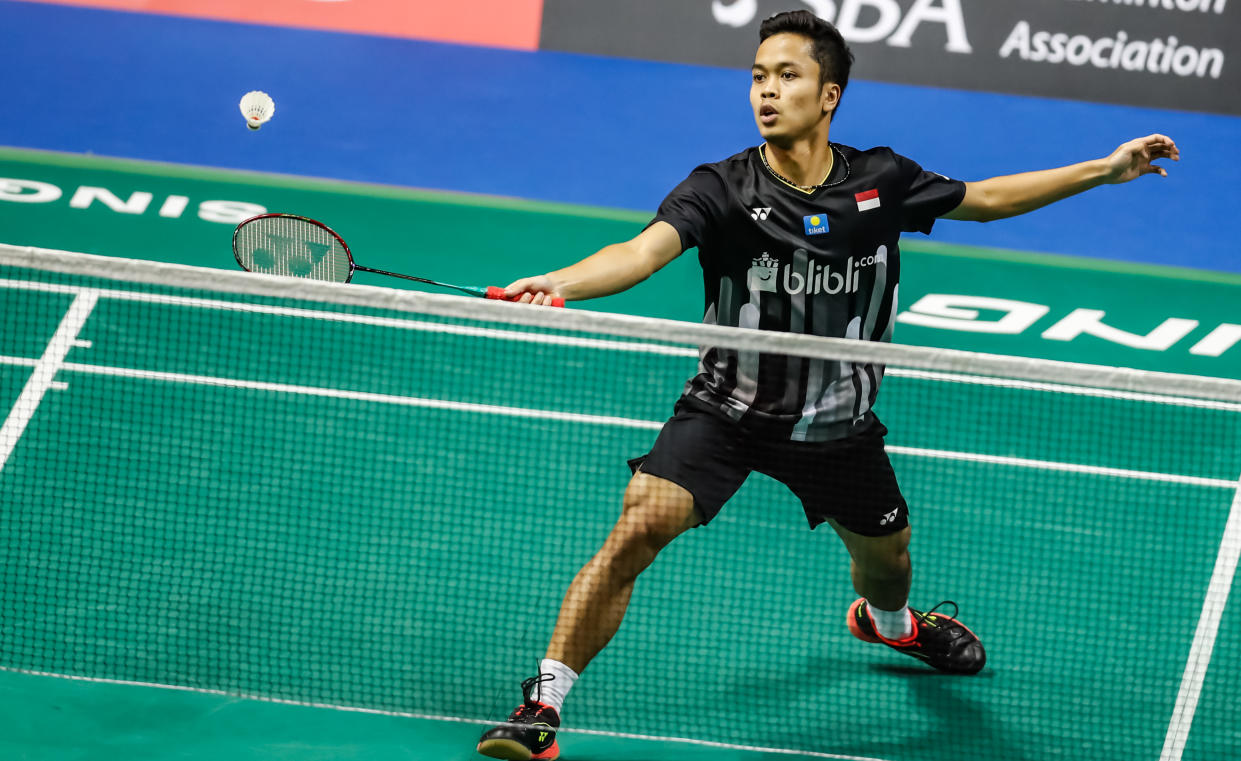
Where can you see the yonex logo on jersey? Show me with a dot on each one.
(816, 224)
(760, 215)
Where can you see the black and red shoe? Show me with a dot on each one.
(534, 739)
(938, 640)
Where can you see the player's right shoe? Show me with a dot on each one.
(534, 739)
(938, 640)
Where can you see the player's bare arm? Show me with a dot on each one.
(612, 269)
(1011, 195)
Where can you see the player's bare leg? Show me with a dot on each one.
(654, 512)
(882, 572)
(880, 566)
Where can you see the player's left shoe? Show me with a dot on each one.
(534, 736)
(938, 640)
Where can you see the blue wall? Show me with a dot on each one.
(567, 127)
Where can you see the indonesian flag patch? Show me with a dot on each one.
(867, 200)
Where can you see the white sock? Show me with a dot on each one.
(553, 692)
(891, 624)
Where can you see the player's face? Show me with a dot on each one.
(785, 93)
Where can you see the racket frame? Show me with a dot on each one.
(490, 292)
(315, 222)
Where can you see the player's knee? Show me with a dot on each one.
(657, 506)
(652, 515)
(632, 547)
(642, 533)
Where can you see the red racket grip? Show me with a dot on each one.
(496, 292)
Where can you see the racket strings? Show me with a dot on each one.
(293, 247)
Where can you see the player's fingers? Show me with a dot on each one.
(530, 285)
(1142, 146)
(1166, 146)
(515, 287)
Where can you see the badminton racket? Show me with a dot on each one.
(286, 244)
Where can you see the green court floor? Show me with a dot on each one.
(378, 516)
(374, 515)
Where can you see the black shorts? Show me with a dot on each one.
(849, 480)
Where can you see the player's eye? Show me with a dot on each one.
(788, 75)
(758, 77)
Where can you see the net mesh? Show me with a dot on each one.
(359, 497)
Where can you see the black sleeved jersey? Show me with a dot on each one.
(825, 263)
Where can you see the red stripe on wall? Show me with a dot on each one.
(494, 23)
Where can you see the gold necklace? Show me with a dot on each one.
(762, 154)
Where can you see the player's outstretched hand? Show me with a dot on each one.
(1133, 159)
(533, 290)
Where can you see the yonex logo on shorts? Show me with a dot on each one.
(889, 517)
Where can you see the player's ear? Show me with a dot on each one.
(830, 97)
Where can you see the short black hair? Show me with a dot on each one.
(828, 45)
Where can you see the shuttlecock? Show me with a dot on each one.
(257, 107)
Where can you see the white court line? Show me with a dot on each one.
(44, 375)
(250, 285)
(433, 717)
(1061, 388)
(587, 343)
(608, 420)
(362, 319)
(365, 396)
(1067, 467)
(1204, 636)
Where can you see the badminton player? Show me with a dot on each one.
(798, 234)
